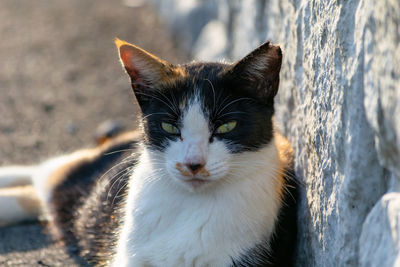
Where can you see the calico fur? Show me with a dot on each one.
(191, 198)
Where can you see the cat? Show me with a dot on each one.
(207, 181)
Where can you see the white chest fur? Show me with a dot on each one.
(166, 225)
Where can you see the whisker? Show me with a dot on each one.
(162, 101)
(232, 102)
(233, 112)
(124, 161)
(122, 173)
(117, 194)
(155, 113)
(119, 151)
(213, 89)
(169, 101)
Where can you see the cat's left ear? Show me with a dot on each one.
(259, 70)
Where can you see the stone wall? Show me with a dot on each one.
(339, 104)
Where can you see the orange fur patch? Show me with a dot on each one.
(285, 153)
(87, 155)
(20, 182)
(185, 172)
(204, 172)
(142, 65)
(182, 170)
(29, 201)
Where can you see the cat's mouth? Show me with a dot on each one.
(196, 182)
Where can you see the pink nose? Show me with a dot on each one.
(194, 167)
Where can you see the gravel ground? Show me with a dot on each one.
(59, 79)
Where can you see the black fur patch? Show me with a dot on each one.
(87, 204)
(224, 98)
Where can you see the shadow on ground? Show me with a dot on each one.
(35, 240)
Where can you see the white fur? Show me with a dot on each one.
(10, 210)
(195, 146)
(16, 175)
(18, 204)
(46, 169)
(12, 177)
(171, 223)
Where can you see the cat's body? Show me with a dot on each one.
(208, 183)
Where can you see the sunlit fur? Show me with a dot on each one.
(173, 223)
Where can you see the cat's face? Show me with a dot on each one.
(200, 119)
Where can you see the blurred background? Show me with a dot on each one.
(60, 76)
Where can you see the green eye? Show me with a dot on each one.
(226, 127)
(169, 128)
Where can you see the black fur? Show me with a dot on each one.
(87, 204)
(224, 98)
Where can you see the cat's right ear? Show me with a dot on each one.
(147, 72)
(258, 72)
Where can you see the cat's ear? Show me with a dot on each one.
(259, 70)
(147, 72)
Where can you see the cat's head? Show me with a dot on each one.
(199, 119)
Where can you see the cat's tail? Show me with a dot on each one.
(18, 204)
(12, 176)
(18, 198)
(25, 191)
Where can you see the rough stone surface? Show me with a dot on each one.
(381, 247)
(339, 104)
